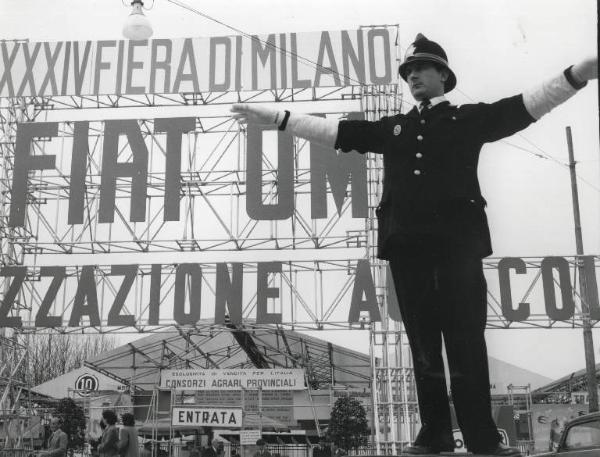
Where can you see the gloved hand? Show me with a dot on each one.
(585, 70)
(246, 112)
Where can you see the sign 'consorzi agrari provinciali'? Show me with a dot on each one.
(219, 64)
(265, 379)
(220, 380)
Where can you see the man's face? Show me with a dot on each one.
(54, 425)
(425, 80)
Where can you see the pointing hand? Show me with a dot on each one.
(246, 112)
(586, 69)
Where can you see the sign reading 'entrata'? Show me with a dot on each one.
(207, 417)
(267, 379)
(170, 66)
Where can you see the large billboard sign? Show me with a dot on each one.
(326, 166)
(217, 291)
(190, 65)
(103, 220)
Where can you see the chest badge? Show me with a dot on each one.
(397, 129)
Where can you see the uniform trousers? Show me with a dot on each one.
(445, 296)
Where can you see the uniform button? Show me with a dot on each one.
(453, 118)
(420, 137)
(418, 155)
(422, 121)
(417, 172)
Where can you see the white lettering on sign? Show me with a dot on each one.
(211, 417)
(266, 379)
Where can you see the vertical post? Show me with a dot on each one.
(244, 409)
(374, 389)
(588, 342)
(260, 409)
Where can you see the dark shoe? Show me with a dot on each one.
(501, 450)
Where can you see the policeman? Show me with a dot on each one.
(433, 229)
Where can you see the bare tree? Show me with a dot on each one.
(51, 355)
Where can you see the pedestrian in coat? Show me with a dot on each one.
(58, 442)
(432, 226)
(108, 446)
(128, 437)
(262, 450)
(216, 449)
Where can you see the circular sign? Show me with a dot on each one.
(85, 384)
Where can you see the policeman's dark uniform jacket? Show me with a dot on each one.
(434, 231)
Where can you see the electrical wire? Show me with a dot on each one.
(542, 154)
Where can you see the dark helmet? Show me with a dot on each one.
(425, 50)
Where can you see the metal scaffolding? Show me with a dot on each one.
(318, 256)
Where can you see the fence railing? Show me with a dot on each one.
(16, 452)
(527, 447)
(166, 449)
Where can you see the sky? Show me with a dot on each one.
(496, 48)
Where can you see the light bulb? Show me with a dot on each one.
(137, 26)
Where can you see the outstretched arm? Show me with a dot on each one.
(312, 128)
(542, 99)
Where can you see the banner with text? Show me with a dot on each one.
(266, 406)
(207, 417)
(227, 63)
(265, 379)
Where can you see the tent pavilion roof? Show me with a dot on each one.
(233, 346)
(561, 388)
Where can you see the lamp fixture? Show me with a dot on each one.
(137, 26)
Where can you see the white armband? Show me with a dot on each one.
(312, 128)
(542, 99)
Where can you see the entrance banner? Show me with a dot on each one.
(207, 417)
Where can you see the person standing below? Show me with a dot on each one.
(128, 437)
(108, 446)
(262, 450)
(216, 449)
(58, 442)
(432, 227)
